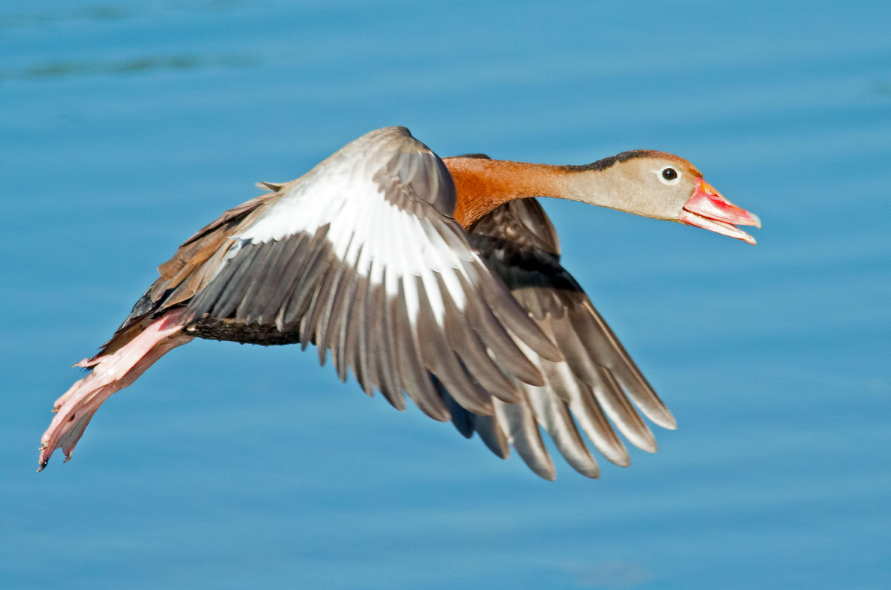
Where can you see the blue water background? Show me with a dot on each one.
(125, 126)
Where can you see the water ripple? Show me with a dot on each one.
(61, 69)
(109, 12)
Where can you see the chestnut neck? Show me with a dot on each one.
(483, 185)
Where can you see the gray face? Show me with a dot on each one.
(655, 185)
(659, 186)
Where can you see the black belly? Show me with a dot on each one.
(239, 331)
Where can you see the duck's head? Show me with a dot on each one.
(662, 186)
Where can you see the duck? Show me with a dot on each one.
(434, 278)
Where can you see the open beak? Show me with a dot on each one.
(708, 209)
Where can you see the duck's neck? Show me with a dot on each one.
(483, 185)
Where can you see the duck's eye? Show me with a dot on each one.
(669, 174)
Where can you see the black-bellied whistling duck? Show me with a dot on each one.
(437, 278)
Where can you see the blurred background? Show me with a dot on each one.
(126, 126)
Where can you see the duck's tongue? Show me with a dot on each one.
(708, 209)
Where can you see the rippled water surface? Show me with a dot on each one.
(126, 126)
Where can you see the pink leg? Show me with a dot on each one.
(110, 374)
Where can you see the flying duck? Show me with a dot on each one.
(436, 278)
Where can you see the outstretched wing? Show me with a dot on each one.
(361, 257)
(594, 382)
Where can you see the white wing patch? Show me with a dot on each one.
(384, 243)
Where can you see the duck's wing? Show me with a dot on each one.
(595, 381)
(362, 257)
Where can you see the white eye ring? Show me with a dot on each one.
(669, 175)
